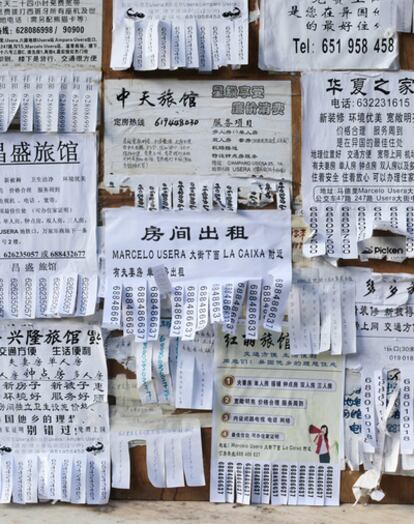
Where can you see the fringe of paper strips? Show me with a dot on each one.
(377, 408)
(275, 483)
(137, 308)
(321, 313)
(147, 43)
(78, 478)
(357, 224)
(170, 372)
(49, 101)
(209, 193)
(174, 452)
(32, 296)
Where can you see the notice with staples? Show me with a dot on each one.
(172, 34)
(54, 422)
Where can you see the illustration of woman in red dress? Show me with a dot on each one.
(322, 443)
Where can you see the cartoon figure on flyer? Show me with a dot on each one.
(322, 443)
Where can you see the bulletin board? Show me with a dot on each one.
(398, 490)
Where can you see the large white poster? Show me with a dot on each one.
(54, 423)
(48, 225)
(191, 127)
(384, 331)
(357, 159)
(277, 423)
(209, 264)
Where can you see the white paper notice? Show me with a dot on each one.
(276, 438)
(54, 424)
(193, 384)
(153, 372)
(50, 33)
(173, 34)
(170, 372)
(356, 167)
(353, 418)
(322, 312)
(204, 253)
(306, 35)
(397, 14)
(384, 331)
(234, 128)
(48, 225)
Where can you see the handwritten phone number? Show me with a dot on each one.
(176, 122)
(358, 46)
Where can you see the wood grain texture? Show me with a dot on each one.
(398, 489)
(178, 512)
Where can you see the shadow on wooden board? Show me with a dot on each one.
(399, 490)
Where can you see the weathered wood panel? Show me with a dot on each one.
(398, 489)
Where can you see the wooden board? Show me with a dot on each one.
(398, 489)
(176, 512)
